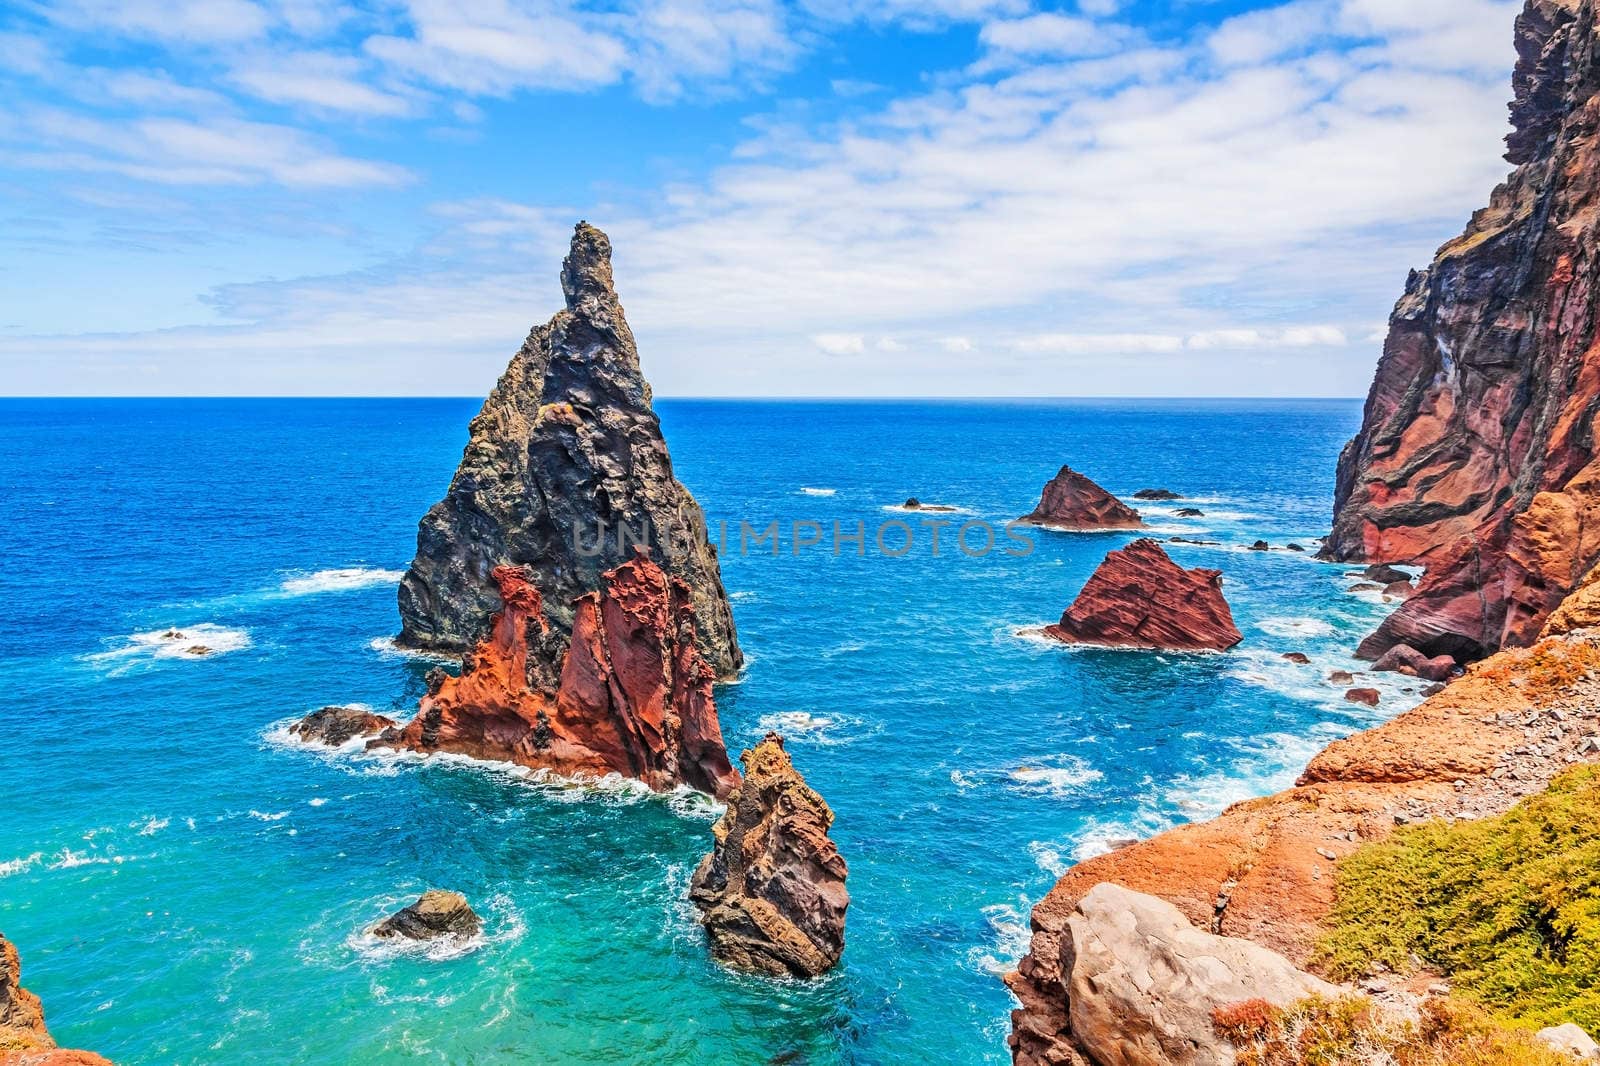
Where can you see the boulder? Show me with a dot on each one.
(1385, 575)
(1142, 984)
(564, 472)
(771, 893)
(1072, 501)
(436, 914)
(1399, 590)
(1571, 1039)
(1298, 657)
(1404, 659)
(1368, 696)
(1140, 598)
(336, 726)
(1156, 494)
(1341, 677)
(1189, 512)
(1260, 546)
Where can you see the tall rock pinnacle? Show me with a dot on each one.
(1477, 454)
(564, 471)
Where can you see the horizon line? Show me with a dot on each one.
(764, 398)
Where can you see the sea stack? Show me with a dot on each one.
(24, 1040)
(633, 697)
(564, 472)
(1072, 501)
(1140, 598)
(772, 892)
(1477, 454)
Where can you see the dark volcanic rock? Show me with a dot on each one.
(1189, 512)
(24, 1040)
(1477, 454)
(1384, 574)
(1156, 494)
(772, 892)
(565, 469)
(335, 726)
(437, 914)
(1072, 501)
(1140, 598)
(1260, 546)
(634, 695)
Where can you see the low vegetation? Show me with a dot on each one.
(1349, 1032)
(1507, 908)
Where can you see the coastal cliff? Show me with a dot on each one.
(1477, 455)
(634, 694)
(565, 470)
(1264, 870)
(24, 1039)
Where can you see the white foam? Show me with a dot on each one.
(197, 642)
(1009, 938)
(266, 816)
(818, 492)
(317, 801)
(343, 579)
(828, 730)
(151, 826)
(71, 860)
(502, 924)
(743, 597)
(20, 865)
(1297, 627)
(386, 646)
(1057, 776)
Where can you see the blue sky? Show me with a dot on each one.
(836, 197)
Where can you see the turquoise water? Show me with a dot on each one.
(188, 888)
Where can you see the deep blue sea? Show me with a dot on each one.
(186, 887)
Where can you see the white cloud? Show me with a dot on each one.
(318, 80)
(1050, 34)
(840, 343)
(191, 21)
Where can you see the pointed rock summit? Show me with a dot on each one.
(564, 472)
(1072, 501)
(771, 893)
(1477, 454)
(1140, 598)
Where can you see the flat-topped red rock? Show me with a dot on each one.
(1140, 598)
(1072, 501)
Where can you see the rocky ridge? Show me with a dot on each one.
(564, 472)
(1138, 597)
(1477, 453)
(772, 891)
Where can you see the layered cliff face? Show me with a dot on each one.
(24, 1040)
(633, 698)
(1071, 501)
(1139, 598)
(1477, 454)
(564, 472)
(772, 891)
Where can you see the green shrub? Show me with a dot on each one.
(1508, 907)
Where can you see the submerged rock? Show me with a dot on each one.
(634, 696)
(1140, 598)
(437, 914)
(915, 504)
(1156, 494)
(336, 726)
(1142, 984)
(1404, 659)
(1072, 501)
(1477, 456)
(1189, 512)
(1299, 658)
(564, 472)
(772, 892)
(24, 1039)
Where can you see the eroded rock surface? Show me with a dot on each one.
(1142, 983)
(565, 456)
(772, 891)
(634, 696)
(337, 726)
(1140, 598)
(1072, 501)
(1477, 454)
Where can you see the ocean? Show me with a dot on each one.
(188, 886)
